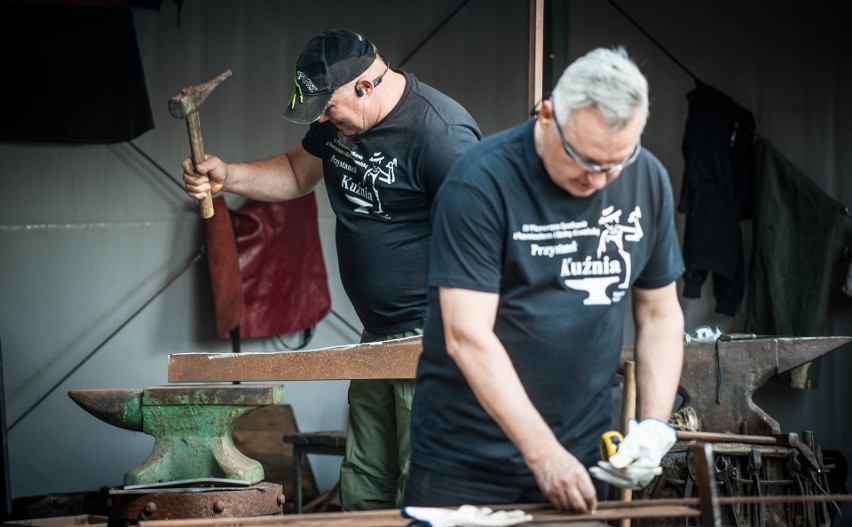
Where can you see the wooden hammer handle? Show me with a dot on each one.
(196, 146)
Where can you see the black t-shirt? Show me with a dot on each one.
(381, 192)
(562, 266)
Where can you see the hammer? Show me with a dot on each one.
(185, 105)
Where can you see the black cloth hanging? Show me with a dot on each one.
(71, 73)
(716, 194)
(797, 240)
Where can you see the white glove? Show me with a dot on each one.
(644, 445)
(466, 515)
(626, 478)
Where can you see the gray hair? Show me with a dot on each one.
(606, 79)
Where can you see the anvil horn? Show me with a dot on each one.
(118, 407)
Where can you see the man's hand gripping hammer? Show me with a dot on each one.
(185, 105)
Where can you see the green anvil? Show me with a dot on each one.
(191, 425)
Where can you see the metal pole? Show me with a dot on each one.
(536, 53)
(7, 489)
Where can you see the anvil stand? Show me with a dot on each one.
(195, 470)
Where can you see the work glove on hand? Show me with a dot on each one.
(626, 478)
(466, 515)
(638, 458)
(644, 445)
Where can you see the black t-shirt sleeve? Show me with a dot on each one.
(442, 152)
(467, 242)
(665, 264)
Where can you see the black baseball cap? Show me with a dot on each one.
(328, 62)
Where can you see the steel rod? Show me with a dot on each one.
(542, 513)
(729, 500)
(719, 437)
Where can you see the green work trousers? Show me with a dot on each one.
(378, 444)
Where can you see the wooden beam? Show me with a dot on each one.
(536, 53)
(392, 359)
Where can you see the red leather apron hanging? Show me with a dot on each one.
(283, 277)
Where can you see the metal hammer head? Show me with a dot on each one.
(190, 98)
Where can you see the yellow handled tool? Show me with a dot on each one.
(610, 441)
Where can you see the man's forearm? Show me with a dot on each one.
(468, 320)
(659, 353)
(657, 378)
(269, 179)
(498, 388)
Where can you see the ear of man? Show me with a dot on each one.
(546, 113)
(363, 86)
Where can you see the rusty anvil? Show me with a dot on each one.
(719, 378)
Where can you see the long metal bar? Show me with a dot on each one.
(393, 359)
(730, 500)
(397, 359)
(718, 437)
(542, 514)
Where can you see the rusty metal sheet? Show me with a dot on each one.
(393, 359)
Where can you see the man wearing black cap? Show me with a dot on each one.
(383, 142)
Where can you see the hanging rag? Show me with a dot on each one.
(796, 229)
(716, 194)
(283, 285)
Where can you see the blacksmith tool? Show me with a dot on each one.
(192, 426)
(185, 105)
(719, 378)
(609, 443)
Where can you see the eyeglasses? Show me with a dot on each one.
(591, 167)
